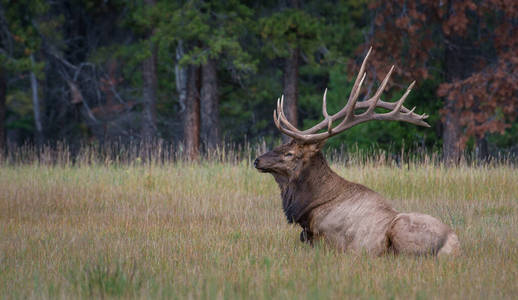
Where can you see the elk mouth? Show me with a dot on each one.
(263, 170)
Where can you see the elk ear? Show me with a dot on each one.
(315, 147)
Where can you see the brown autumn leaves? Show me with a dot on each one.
(469, 47)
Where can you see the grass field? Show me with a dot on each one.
(216, 230)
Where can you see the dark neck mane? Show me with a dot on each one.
(317, 184)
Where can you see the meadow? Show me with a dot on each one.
(216, 230)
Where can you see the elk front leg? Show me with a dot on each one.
(306, 236)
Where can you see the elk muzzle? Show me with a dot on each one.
(266, 162)
(259, 165)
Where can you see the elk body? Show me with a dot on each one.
(347, 215)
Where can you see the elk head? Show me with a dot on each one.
(287, 161)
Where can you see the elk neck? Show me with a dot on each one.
(315, 185)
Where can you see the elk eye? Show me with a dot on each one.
(289, 154)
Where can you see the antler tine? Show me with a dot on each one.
(277, 122)
(280, 119)
(324, 112)
(297, 134)
(324, 105)
(282, 116)
(380, 90)
(349, 109)
(411, 111)
(355, 91)
(351, 104)
(403, 98)
(361, 74)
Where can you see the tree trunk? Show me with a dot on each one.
(191, 122)
(210, 105)
(482, 149)
(3, 91)
(451, 135)
(455, 69)
(181, 77)
(291, 75)
(36, 107)
(150, 86)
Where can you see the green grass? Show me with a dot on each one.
(216, 230)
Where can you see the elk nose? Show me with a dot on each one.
(256, 161)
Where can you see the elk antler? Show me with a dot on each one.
(397, 112)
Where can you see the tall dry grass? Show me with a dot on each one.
(155, 227)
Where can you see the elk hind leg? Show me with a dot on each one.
(420, 234)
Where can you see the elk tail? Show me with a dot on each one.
(451, 246)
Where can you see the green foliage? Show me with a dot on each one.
(20, 17)
(508, 140)
(343, 25)
(207, 29)
(21, 23)
(290, 29)
(21, 36)
(104, 277)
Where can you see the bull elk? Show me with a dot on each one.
(347, 215)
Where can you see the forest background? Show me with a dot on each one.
(201, 74)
